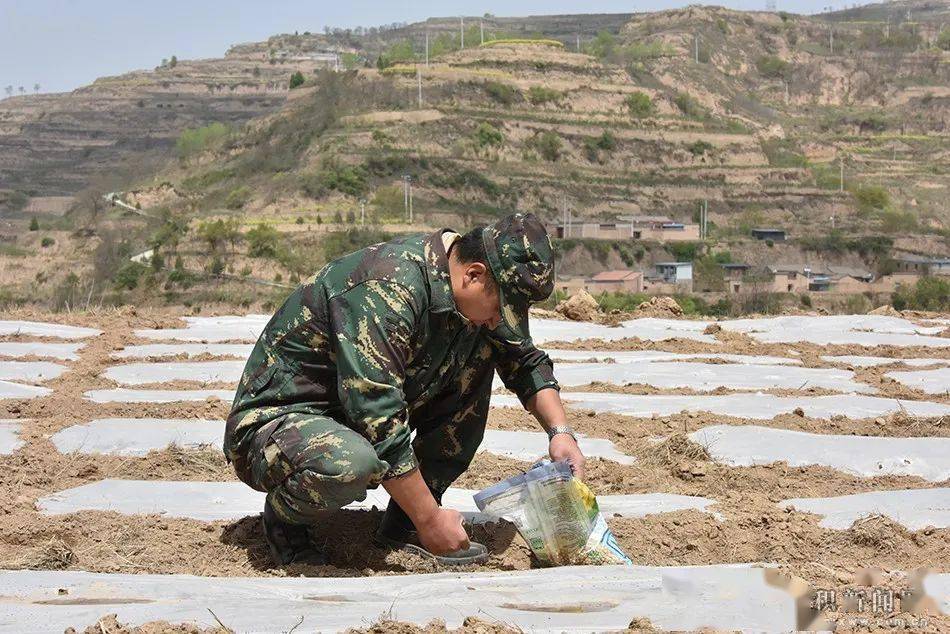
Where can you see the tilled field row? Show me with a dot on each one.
(751, 508)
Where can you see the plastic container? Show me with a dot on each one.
(556, 514)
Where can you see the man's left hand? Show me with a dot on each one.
(564, 447)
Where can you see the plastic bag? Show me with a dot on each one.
(556, 514)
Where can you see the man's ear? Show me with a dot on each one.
(476, 270)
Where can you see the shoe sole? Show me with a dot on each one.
(419, 550)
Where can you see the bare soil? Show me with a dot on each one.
(752, 528)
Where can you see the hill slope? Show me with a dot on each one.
(752, 112)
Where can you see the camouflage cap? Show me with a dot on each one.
(521, 258)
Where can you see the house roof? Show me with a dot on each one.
(838, 272)
(768, 229)
(736, 265)
(673, 264)
(615, 276)
(917, 260)
(646, 218)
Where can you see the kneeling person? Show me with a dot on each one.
(399, 336)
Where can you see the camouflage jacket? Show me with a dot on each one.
(368, 339)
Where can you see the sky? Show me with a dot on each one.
(64, 44)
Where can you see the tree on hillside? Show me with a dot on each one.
(9, 90)
(22, 90)
(296, 79)
(36, 88)
(173, 62)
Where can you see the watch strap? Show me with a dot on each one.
(561, 429)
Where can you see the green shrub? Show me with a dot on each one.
(620, 300)
(339, 243)
(772, 66)
(929, 293)
(602, 46)
(684, 251)
(195, 140)
(488, 135)
(895, 221)
(805, 300)
(539, 95)
(217, 232)
(346, 179)
(216, 267)
(128, 276)
(548, 144)
(262, 241)
(296, 80)
(698, 148)
(502, 93)
(593, 146)
(238, 197)
(637, 52)
(857, 305)
(47, 241)
(871, 197)
(299, 220)
(688, 105)
(943, 40)
(783, 153)
(34, 224)
(639, 104)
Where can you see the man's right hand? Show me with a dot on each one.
(442, 532)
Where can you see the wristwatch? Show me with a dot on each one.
(563, 429)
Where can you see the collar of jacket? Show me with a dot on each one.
(437, 268)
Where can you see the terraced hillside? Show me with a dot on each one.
(54, 144)
(773, 119)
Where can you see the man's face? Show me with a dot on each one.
(476, 296)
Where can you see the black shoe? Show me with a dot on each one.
(289, 543)
(396, 531)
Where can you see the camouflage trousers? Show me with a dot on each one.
(310, 463)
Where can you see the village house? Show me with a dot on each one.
(775, 235)
(788, 278)
(733, 274)
(657, 228)
(619, 280)
(923, 266)
(670, 277)
(846, 279)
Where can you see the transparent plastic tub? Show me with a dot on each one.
(556, 514)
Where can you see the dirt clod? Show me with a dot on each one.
(581, 306)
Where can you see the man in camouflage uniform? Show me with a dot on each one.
(399, 336)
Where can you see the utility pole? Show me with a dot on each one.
(840, 173)
(419, 78)
(481, 29)
(578, 42)
(705, 219)
(564, 219)
(462, 30)
(427, 49)
(831, 39)
(786, 92)
(362, 211)
(696, 47)
(407, 178)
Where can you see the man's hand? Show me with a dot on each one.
(442, 532)
(564, 447)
